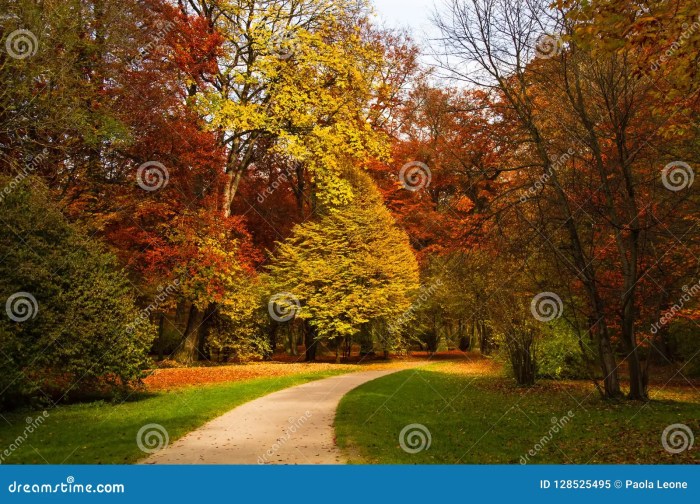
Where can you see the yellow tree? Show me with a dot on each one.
(304, 74)
(351, 267)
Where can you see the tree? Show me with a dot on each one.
(350, 267)
(587, 147)
(70, 325)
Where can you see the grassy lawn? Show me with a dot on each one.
(474, 416)
(104, 433)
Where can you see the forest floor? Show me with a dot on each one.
(467, 412)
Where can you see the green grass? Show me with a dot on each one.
(105, 433)
(485, 420)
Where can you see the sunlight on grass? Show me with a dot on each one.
(104, 433)
(478, 417)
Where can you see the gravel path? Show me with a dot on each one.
(292, 426)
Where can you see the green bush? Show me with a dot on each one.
(559, 355)
(684, 344)
(69, 325)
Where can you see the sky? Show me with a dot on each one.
(414, 15)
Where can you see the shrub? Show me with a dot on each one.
(684, 344)
(82, 332)
(559, 355)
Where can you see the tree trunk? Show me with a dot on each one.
(160, 336)
(310, 342)
(187, 350)
(638, 389)
(272, 341)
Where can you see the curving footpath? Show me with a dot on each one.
(292, 426)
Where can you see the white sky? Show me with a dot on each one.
(413, 15)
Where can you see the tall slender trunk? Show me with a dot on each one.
(310, 342)
(187, 351)
(161, 320)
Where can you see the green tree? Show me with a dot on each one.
(351, 267)
(69, 324)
